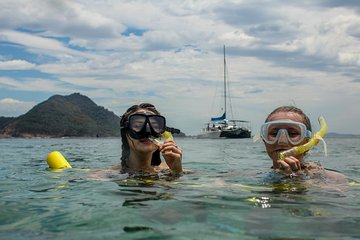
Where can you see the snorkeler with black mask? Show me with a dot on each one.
(139, 125)
(144, 140)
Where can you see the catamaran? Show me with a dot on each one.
(221, 127)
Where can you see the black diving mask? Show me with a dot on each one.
(140, 125)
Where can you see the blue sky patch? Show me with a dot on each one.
(134, 31)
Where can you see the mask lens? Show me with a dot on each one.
(157, 123)
(294, 131)
(137, 122)
(295, 134)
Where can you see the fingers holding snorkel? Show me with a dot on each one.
(166, 143)
(289, 163)
(169, 150)
(172, 155)
(170, 146)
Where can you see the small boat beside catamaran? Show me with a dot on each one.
(221, 127)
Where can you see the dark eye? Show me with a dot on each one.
(154, 124)
(293, 133)
(273, 133)
(137, 125)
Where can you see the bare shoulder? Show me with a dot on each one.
(327, 178)
(335, 177)
(331, 175)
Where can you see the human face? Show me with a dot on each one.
(138, 142)
(281, 140)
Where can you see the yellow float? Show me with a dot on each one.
(56, 160)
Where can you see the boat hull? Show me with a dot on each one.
(210, 134)
(238, 133)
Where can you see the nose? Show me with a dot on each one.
(148, 129)
(282, 138)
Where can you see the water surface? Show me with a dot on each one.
(228, 194)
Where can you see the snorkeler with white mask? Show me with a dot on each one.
(288, 128)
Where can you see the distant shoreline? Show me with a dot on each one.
(329, 135)
(71, 137)
(51, 137)
(341, 135)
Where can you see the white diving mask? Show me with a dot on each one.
(295, 132)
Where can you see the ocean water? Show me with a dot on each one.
(228, 193)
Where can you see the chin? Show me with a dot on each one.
(274, 155)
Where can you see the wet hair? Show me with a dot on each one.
(294, 110)
(155, 161)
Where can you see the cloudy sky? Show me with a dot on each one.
(170, 53)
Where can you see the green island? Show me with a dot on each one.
(74, 115)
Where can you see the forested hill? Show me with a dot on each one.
(74, 115)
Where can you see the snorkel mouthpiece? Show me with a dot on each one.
(164, 137)
(314, 140)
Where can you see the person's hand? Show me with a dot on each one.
(289, 164)
(172, 155)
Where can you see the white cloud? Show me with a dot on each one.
(9, 101)
(327, 34)
(32, 41)
(278, 53)
(10, 107)
(35, 85)
(41, 45)
(16, 65)
(238, 38)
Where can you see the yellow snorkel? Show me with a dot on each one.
(164, 137)
(314, 140)
(167, 136)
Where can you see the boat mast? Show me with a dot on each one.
(224, 82)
